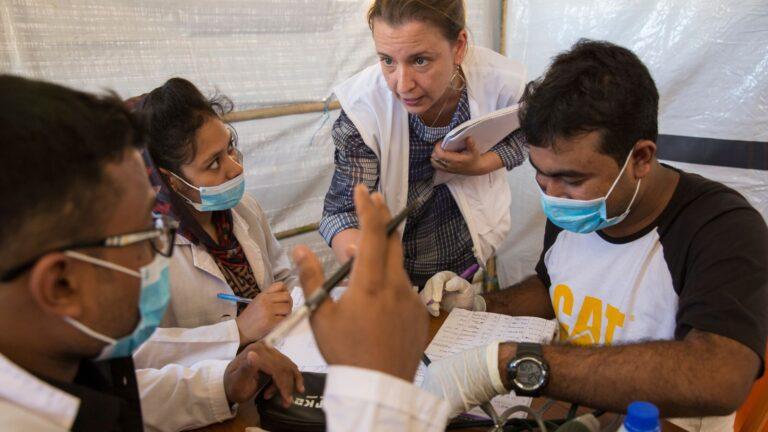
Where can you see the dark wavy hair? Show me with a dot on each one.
(172, 114)
(595, 86)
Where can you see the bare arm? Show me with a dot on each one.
(527, 298)
(343, 241)
(704, 374)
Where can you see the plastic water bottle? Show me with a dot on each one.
(641, 417)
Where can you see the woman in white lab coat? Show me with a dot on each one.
(224, 246)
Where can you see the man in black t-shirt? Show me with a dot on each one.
(658, 278)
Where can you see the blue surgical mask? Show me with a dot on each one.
(221, 197)
(585, 216)
(153, 300)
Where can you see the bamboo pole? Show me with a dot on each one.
(297, 231)
(280, 110)
(503, 35)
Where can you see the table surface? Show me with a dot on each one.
(248, 416)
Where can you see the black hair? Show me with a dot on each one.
(172, 115)
(54, 145)
(595, 86)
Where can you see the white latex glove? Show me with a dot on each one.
(447, 290)
(467, 379)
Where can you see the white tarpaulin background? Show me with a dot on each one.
(709, 59)
(257, 52)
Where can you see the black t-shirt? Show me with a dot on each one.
(702, 264)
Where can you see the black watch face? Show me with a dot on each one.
(529, 374)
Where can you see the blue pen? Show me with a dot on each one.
(233, 298)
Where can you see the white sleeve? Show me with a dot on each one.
(187, 346)
(180, 374)
(359, 399)
(177, 398)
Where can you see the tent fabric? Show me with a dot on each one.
(709, 59)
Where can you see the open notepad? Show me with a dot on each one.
(487, 131)
(300, 345)
(464, 330)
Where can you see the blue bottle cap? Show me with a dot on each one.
(642, 417)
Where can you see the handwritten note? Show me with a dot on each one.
(300, 345)
(464, 330)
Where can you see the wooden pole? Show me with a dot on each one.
(503, 35)
(279, 111)
(297, 231)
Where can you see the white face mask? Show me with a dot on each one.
(153, 301)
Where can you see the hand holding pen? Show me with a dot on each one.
(379, 323)
(263, 313)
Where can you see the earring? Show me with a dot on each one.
(457, 74)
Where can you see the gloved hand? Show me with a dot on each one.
(467, 379)
(447, 290)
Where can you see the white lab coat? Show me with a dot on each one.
(355, 399)
(28, 403)
(180, 368)
(493, 82)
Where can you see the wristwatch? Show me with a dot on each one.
(527, 371)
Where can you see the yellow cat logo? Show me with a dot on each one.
(589, 323)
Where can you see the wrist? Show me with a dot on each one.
(507, 352)
(490, 162)
(244, 340)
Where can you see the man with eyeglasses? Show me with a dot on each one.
(81, 253)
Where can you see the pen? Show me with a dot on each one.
(233, 298)
(468, 273)
(317, 297)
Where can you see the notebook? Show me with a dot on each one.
(464, 330)
(486, 130)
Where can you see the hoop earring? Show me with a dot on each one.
(457, 74)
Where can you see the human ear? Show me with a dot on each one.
(643, 155)
(460, 47)
(55, 287)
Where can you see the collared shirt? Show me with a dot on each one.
(102, 397)
(436, 236)
(358, 399)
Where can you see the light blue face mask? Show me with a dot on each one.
(585, 216)
(221, 197)
(153, 300)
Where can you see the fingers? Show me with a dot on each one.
(281, 309)
(472, 146)
(457, 284)
(394, 265)
(298, 378)
(276, 287)
(438, 164)
(279, 297)
(285, 381)
(310, 269)
(373, 215)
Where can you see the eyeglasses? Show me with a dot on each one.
(161, 238)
